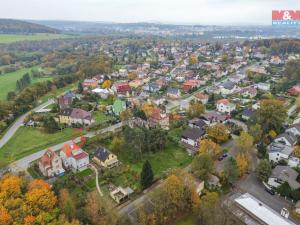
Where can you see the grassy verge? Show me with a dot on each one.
(27, 141)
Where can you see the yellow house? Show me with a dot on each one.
(71, 116)
(105, 158)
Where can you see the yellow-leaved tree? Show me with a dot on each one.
(209, 147)
(242, 164)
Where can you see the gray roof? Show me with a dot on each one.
(228, 85)
(277, 147)
(286, 174)
(173, 91)
(197, 122)
(291, 138)
(193, 133)
(102, 154)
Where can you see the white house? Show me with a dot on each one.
(263, 86)
(225, 106)
(74, 157)
(278, 151)
(286, 138)
(190, 138)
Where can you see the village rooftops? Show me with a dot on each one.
(193, 133)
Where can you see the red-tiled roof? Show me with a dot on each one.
(223, 101)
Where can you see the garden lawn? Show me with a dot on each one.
(11, 38)
(100, 117)
(27, 141)
(172, 157)
(8, 81)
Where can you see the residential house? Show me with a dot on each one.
(157, 116)
(278, 152)
(213, 182)
(286, 138)
(295, 90)
(294, 129)
(281, 174)
(71, 116)
(250, 92)
(64, 102)
(173, 93)
(225, 106)
(228, 88)
(201, 97)
(190, 138)
(197, 123)
(74, 158)
(152, 87)
(247, 113)
(121, 88)
(276, 60)
(118, 106)
(190, 84)
(105, 158)
(89, 83)
(263, 86)
(50, 164)
(214, 117)
(103, 93)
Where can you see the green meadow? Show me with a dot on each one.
(11, 38)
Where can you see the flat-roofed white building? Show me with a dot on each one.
(260, 211)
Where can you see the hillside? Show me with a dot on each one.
(10, 26)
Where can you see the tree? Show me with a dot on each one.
(218, 132)
(271, 115)
(209, 147)
(263, 170)
(245, 142)
(66, 204)
(117, 144)
(107, 84)
(146, 175)
(256, 132)
(284, 189)
(231, 170)
(5, 217)
(193, 60)
(80, 88)
(202, 166)
(196, 108)
(297, 151)
(99, 211)
(125, 115)
(211, 212)
(242, 164)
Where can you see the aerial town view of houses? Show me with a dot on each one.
(148, 124)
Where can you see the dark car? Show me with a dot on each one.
(270, 191)
(221, 158)
(224, 155)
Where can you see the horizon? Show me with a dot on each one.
(189, 12)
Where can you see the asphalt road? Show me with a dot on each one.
(24, 163)
(19, 122)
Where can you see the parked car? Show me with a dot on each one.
(270, 191)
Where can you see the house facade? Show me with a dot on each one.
(50, 164)
(225, 106)
(105, 158)
(74, 158)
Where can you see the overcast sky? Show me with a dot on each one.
(211, 12)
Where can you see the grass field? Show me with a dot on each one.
(8, 81)
(11, 38)
(30, 140)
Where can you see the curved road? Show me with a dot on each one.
(19, 122)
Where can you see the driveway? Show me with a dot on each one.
(19, 122)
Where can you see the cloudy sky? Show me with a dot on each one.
(212, 12)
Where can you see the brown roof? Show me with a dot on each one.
(47, 158)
